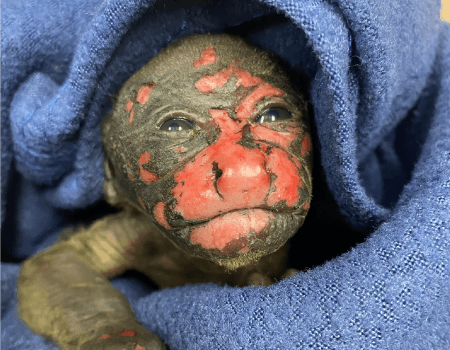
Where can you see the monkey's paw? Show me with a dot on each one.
(134, 337)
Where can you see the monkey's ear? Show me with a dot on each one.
(110, 193)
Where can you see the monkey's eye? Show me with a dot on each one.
(177, 124)
(274, 114)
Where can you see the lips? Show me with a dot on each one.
(239, 232)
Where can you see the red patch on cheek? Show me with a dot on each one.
(146, 176)
(207, 57)
(288, 179)
(144, 93)
(306, 145)
(208, 83)
(218, 232)
(144, 158)
(158, 212)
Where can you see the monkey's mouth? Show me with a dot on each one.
(242, 231)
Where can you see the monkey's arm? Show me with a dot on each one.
(64, 293)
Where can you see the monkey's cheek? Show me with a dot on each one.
(241, 232)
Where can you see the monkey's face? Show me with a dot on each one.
(210, 140)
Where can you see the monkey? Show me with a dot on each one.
(208, 155)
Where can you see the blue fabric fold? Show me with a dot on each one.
(379, 84)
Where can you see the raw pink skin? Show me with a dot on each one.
(129, 107)
(217, 234)
(146, 176)
(158, 212)
(144, 93)
(207, 57)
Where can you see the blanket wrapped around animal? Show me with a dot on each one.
(374, 248)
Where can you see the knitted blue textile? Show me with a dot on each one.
(378, 76)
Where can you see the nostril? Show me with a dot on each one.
(216, 171)
(217, 174)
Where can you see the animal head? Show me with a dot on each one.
(210, 140)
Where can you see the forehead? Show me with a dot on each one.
(168, 81)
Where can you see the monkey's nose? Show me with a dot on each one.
(243, 177)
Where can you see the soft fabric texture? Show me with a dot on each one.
(379, 82)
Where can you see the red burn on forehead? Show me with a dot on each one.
(144, 92)
(208, 83)
(263, 89)
(207, 57)
(246, 108)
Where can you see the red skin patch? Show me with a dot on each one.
(180, 149)
(144, 93)
(144, 158)
(306, 145)
(208, 83)
(131, 177)
(148, 176)
(128, 333)
(263, 133)
(103, 337)
(306, 205)
(218, 232)
(139, 347)
(247, 107)
(158, 212)
(287, 181)
(207, 57)
(129, 107)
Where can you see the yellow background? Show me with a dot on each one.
(445, 12)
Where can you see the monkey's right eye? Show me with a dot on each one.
(177, 124)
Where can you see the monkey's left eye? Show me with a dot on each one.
(177, 124)
(273, 115)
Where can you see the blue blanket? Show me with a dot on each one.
(377, 239)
